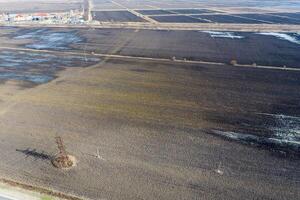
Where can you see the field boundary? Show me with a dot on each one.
(101, 55)
(40, 190)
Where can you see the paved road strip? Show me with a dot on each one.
(172, 26)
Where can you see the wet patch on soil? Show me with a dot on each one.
(41, 67)
(38, 68)
(47, 39)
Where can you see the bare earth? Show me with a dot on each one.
(149, 132)
(142, 124)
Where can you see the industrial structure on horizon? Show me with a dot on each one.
(71, 17)
(79, 16)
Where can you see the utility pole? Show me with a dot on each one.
(62, 160)
(87, 10)
(61, 147)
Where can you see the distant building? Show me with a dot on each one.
(40, 16)
(11, 17)
(4, 17)
(20, 17)
(73, 17)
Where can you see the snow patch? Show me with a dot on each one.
(253, 139)
(217, 34)
(292, 37)
(287, 128)
(286, 133)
